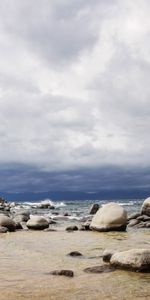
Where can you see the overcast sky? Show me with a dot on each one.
(74, 87)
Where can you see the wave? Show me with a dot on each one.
(44, 202)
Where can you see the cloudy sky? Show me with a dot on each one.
(74, 94)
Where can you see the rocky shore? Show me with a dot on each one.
(109, 217)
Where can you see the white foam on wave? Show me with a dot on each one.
(45, 201)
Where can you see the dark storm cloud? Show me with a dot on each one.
(74, 88)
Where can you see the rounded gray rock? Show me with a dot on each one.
(109, 217)
(146, 207)
(133, 260)
(37, 223)
(7, 222)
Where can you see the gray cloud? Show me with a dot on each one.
(74, 83)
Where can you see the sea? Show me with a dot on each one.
(76, 209)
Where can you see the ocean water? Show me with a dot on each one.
(77, 209)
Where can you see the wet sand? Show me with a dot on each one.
(27, 256)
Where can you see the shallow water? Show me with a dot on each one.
(27, 257)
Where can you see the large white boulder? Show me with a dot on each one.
(110, 216)
(133, 260)
(146, 207)
(37, 223)
(7, 222)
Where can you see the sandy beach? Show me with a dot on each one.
(28, 256)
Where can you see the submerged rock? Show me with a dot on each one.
(37, 223)
(132, 260)
(72, 228)
(146, 207)
(111, 216)
(100, 269)
(75, 254)
(67, 273)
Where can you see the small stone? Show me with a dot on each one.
(75, 253)
(86, 226)
(50, 230)
(51, 222)
(67, 273)
(100, 269)
(94, 209)
(72, 228)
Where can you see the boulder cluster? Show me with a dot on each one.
(141, 219)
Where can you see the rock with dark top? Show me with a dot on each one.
(133, 260)
(52, 222)
(72, 228)
(67, 273)
(146, 207)
(75, 254)
(107, 254)
(37, 223)
(66, 214)
(99, 269)
(94, 209)
(86, 226)
(110, 217)
(7, 222)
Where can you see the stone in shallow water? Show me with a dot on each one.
(72, 228)
(133, 260)
(75, 253)
(67, 273)
(100, 269)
